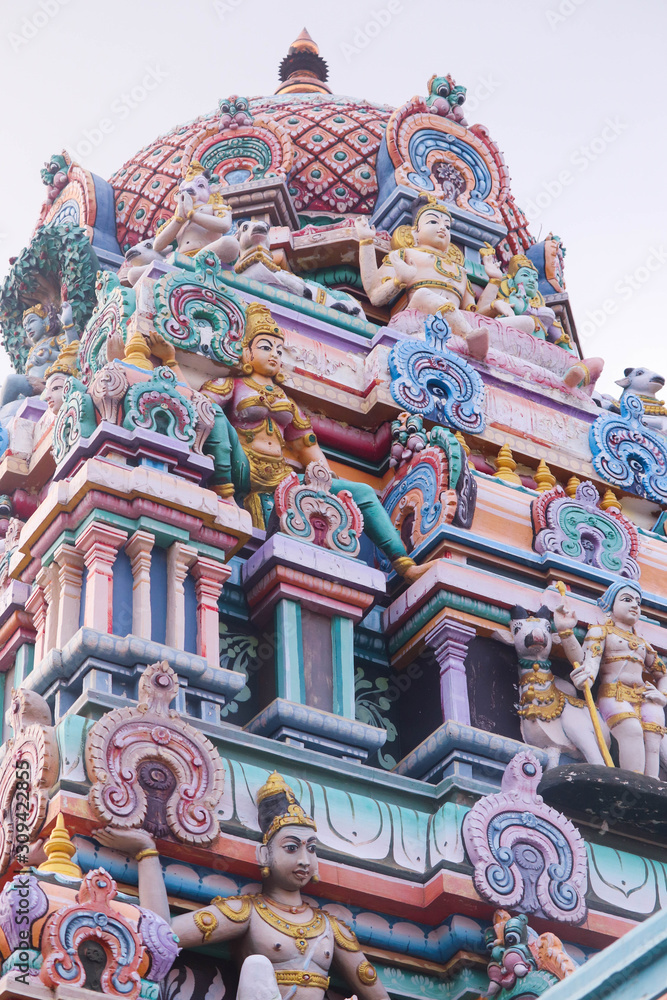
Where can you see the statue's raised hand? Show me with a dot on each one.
(66, 317)
(564, 617)
(160, 347)
(128, 842)
(490, 262)
(364, 229)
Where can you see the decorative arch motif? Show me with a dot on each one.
(115, 305)
(310, 511)
(578, 528)
(32, 752)
(158, 406)
(198, 312)
(438, 384)
(251, 152)
(627, 454)
(75, 419)
(435, 155)
(526, 855)
(151, 769)
(92, 918)
(76, 204)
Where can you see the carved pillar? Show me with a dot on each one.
(46, 582)
(99, 544)
(69, 562)
(139, 550)
(180, 558)
(209, 577)
(449, 642)
(37, 606)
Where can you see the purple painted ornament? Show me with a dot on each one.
(160, 942)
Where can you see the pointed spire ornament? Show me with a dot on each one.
(462, 441)
(571, 487)
(506, 466)
(303, 70)
(137, 351)
(59, 851)
(544, 478)
(610, 500)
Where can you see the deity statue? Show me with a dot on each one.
(632, 706)
(57, 375)
(286, 945)
(431, 272)
(47, 335)
(201, 221)
(517, 294)
(261, 427)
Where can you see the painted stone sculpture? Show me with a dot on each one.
(645, 384)
(578, 528)
(627, 454)
(517, 294)
(46, 334)
(89, 943)
(446, 98)
(311, 512)
(256, 262)
(307, 945)
(526, 855)
(201, 220)
(428, 270)
(552, 716)
(57, 375)
(433, 484)
(152, 770)
(521, 964)
(249, 440)
(30, 769)
(632, 706)
(434, 382)
(23, 905)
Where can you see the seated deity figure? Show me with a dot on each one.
(261, 426)
(517, 294)
(286, 946)
(201, 221)
(427, 270)
(632, 705)
(47, 335)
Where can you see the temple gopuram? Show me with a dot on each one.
(333, 594)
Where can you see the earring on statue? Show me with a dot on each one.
(265, 871)
(247, 368)
(315, 878)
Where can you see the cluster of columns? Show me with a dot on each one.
(55, 601)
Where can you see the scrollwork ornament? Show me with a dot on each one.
(628, 454)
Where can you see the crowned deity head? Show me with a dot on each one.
(432, 225)
(522, 271)
(36, 323)
(57, 375)
(263, 343)
(622, 602)
(287, 854)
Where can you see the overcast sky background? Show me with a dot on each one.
(573, 92)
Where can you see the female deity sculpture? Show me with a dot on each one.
(286, 945)
(201, 220)
(632, 706)
(434, 280)
(261, 426)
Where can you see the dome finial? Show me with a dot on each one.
(303, 70)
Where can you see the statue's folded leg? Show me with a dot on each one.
(231, 470)
(257, 980)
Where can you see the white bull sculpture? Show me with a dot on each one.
(553, 718)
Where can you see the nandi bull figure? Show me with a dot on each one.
(553, 718)
(646, 384)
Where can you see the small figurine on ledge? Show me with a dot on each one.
(47, 333)
(427, 269)
(632, 707)
(201, 220)
(286, 945)
(517, 294)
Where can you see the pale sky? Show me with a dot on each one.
(573, 92)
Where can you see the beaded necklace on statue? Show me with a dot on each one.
(633, 640)
(286, 906)
(300, 932)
